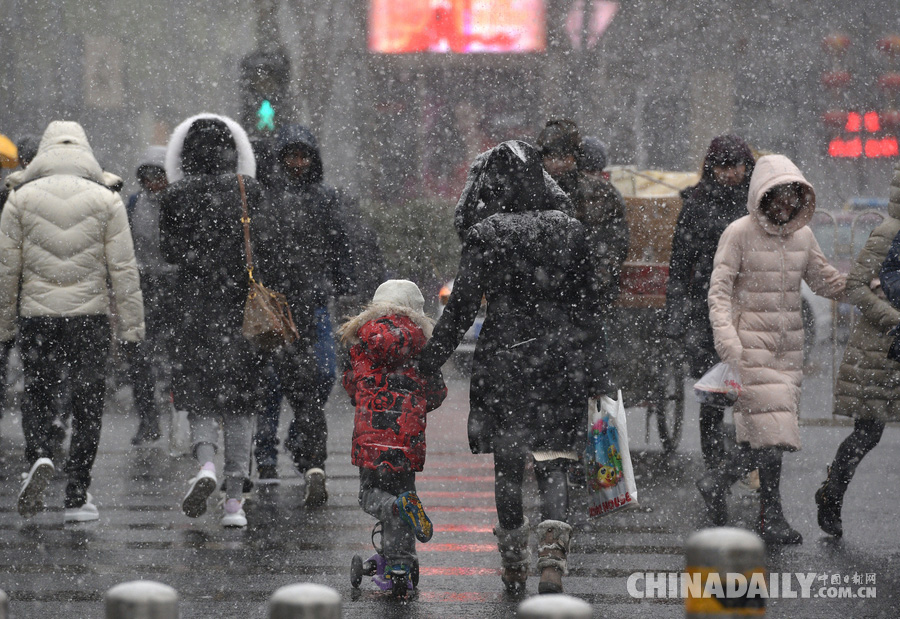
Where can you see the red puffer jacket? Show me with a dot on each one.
(390, 396)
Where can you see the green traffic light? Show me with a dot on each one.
(266, 116)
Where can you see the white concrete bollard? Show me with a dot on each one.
(4, 605)
(141, 599)
(305, 601)
(726, 570)
(554, 606)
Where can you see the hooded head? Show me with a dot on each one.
(727, 151)
(27, 147)
(209, 144)
(774, 175)
(395, 296)
(298, 141)
(560, 146)
(152, 166)
(64, 149)
(506, 179)
(593, 155)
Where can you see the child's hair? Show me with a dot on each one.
(395, 296)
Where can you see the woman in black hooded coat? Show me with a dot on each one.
(218, 374)
(708, 207)
(538, 358)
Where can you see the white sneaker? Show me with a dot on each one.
(201, 487)
(34, 482)
(85, 513)
(316, 493)
(234, 514)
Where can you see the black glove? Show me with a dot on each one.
(675, 329)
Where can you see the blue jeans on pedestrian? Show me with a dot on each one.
(308, 433)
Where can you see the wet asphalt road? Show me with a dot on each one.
(49, 570)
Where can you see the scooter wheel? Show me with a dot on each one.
(399, 586)
(356, 571)
(414, 574)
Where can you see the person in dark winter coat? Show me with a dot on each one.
(868, 381)
(708, 208)
(308, 258)
(598, 205)
(148, 363)
(537, 359)
(26, 149)
(391, 399)
(219, 373)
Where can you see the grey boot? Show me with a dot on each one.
(515, 556)
(554, 538)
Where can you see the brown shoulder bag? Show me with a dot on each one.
(268, 322)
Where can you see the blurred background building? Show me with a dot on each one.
(404, 93)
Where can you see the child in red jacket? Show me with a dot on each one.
(391, 400)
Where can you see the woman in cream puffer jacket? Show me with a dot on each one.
(63, 234)
(755, 311)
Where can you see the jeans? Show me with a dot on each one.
(56, 351)
(378, 489)
(236, 430)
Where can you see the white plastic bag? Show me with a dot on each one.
(721, 385)
(610, 475)
(179, 433)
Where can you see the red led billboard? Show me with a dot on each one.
(864, 135)
(456, 26)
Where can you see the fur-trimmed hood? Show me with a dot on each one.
(515, 170)
(347, 331)
(246, 162)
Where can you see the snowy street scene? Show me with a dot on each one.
(547, 309)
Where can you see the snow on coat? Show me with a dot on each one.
(537, 358)
(63, 232)
(755, 306)
(390, 396)
(868, 382)
(707, 209)
(201, 232)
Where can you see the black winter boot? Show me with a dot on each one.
(830, 497)
(715, 484)
(829, 501)
(773, 527)
(713, 489)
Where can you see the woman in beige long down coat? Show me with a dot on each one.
(868, 383)
(754, 307)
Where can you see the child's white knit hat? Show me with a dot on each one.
(400, 292)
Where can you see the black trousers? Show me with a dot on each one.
(510, 459)
(297, 372)
(866, 434)
(56, 350)
(146, 366)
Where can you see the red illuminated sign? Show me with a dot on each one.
(456, 26)
(868, 145)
